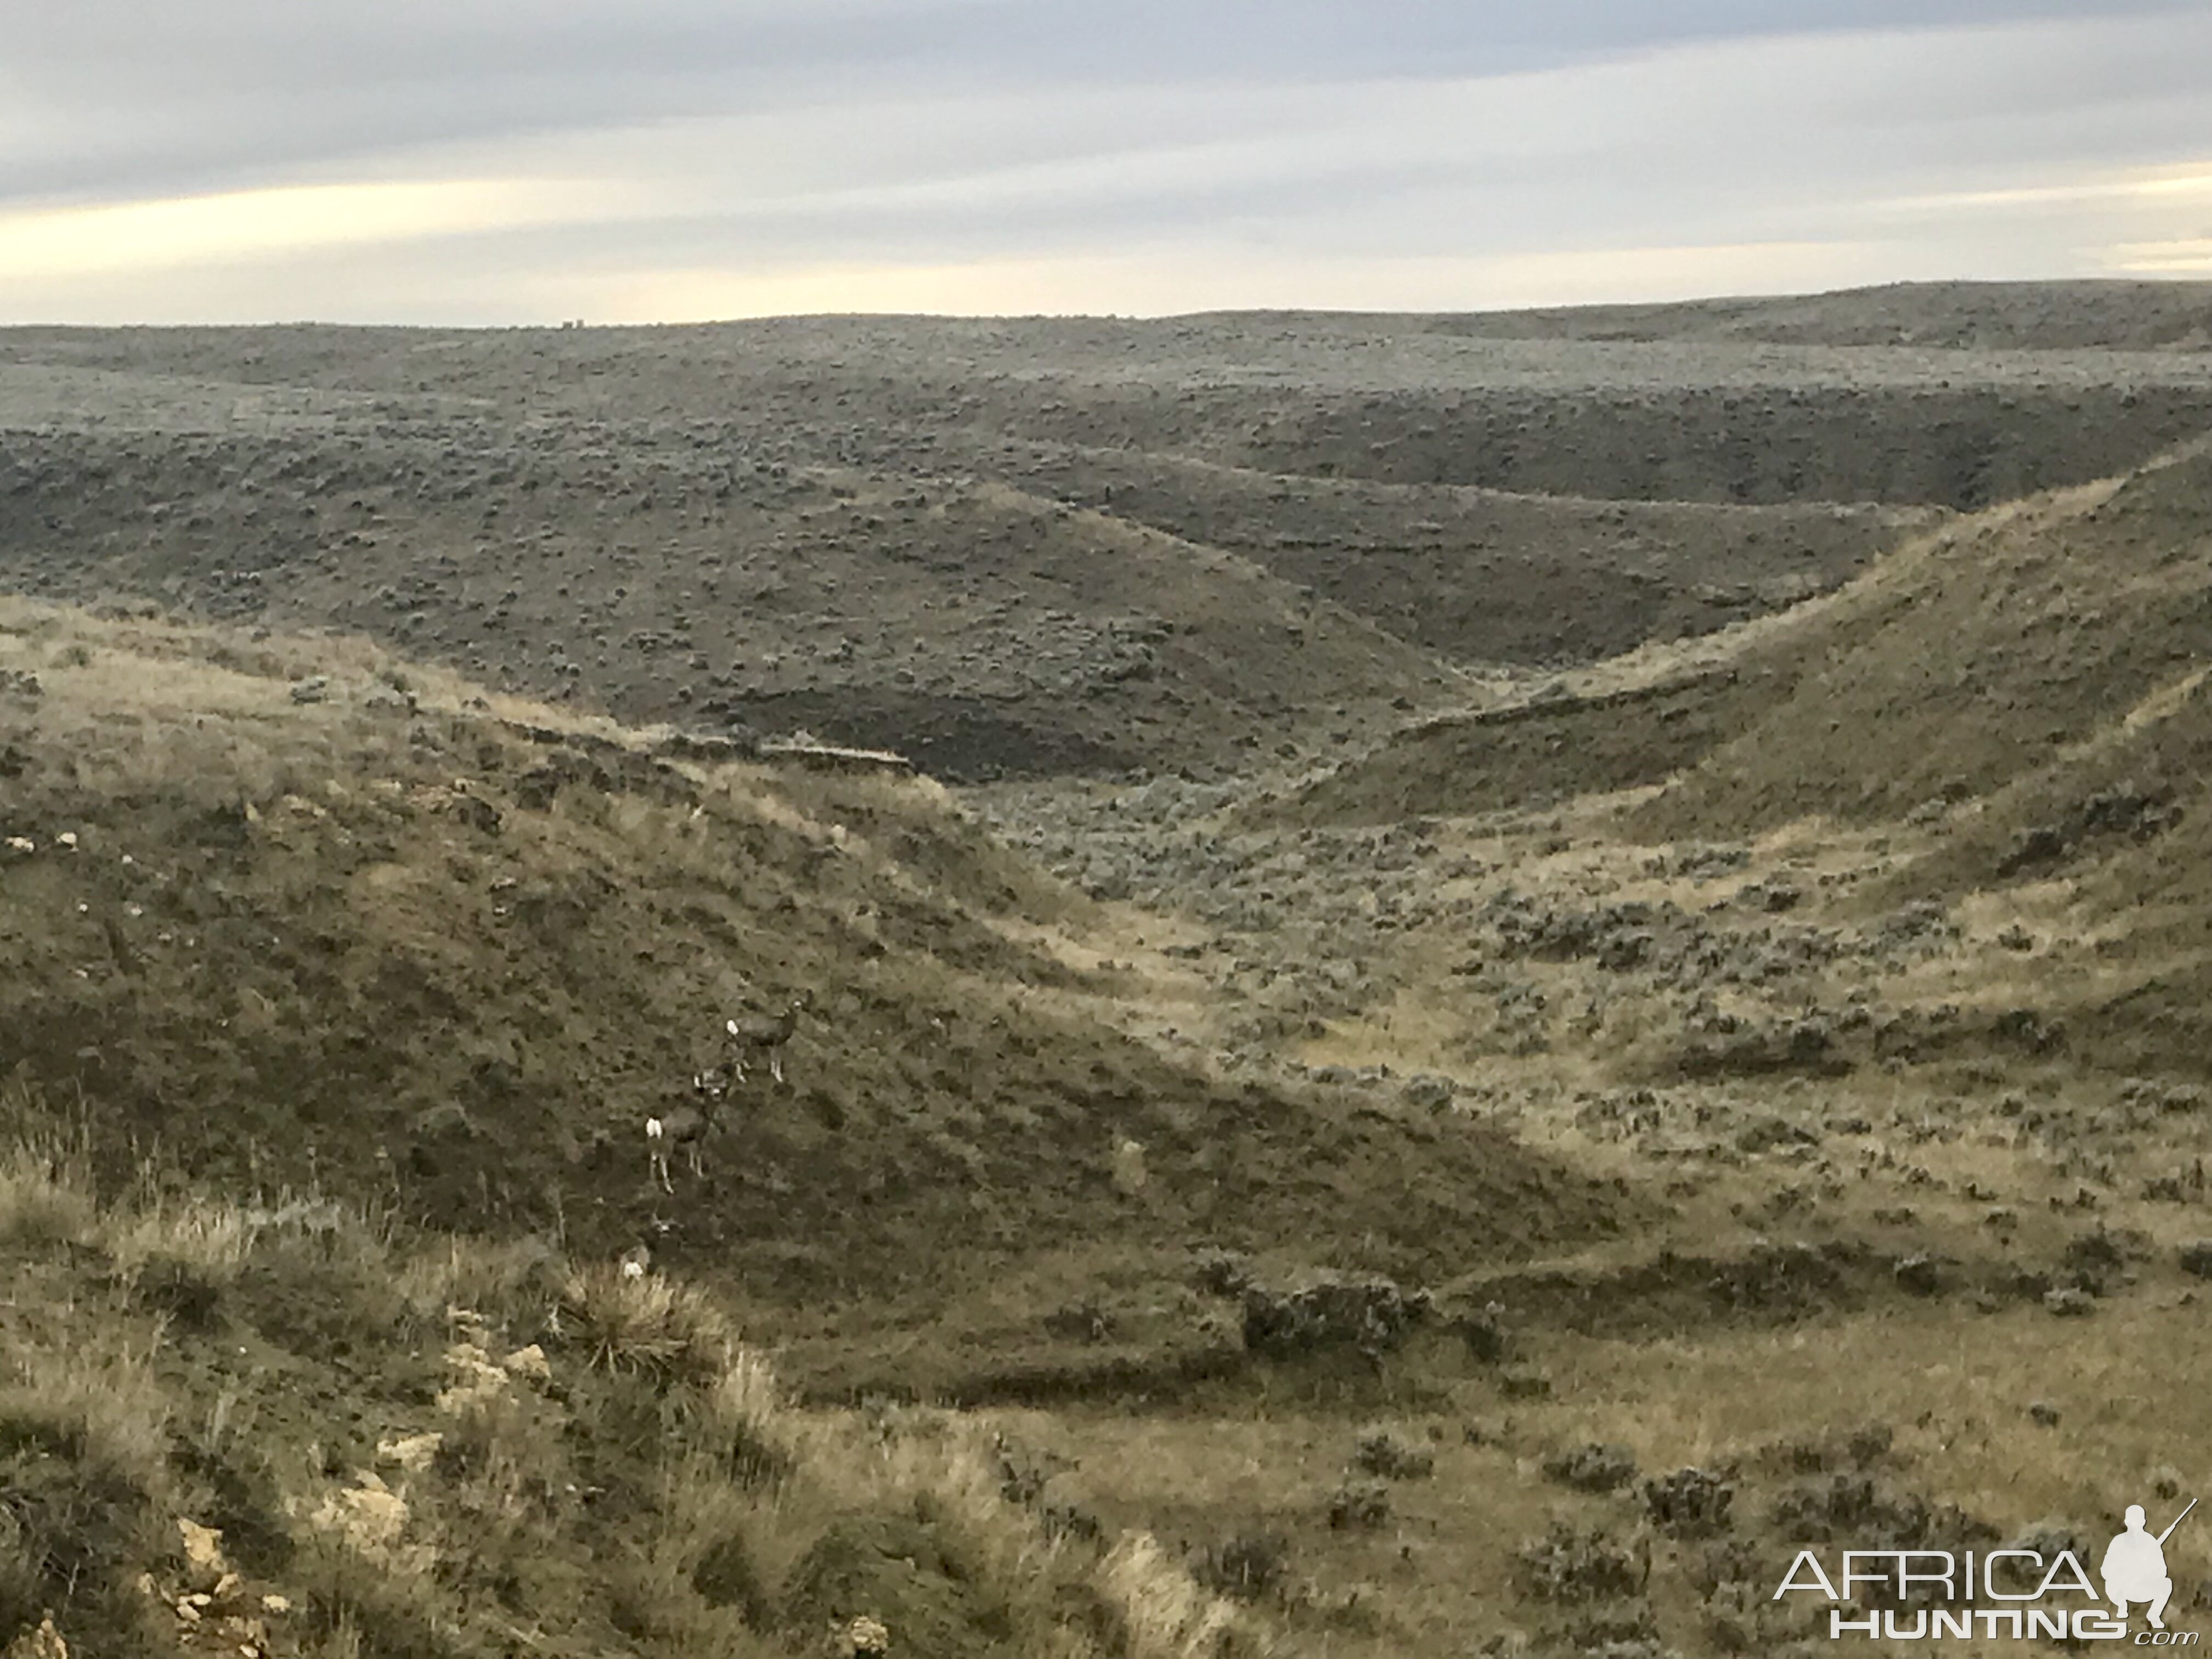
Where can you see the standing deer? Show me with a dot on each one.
(685, 1126)
(757, 1036)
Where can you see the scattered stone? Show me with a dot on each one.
(865, 1637)
(205, 1564)
(1130, 1177)
(2043, 1413)
(370, 1518)
(412, 1452)
(313, 689)
(2067, 1302)
(44, 1642)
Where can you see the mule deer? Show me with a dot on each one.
(758, 1036)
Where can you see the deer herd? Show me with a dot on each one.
(750, 1042)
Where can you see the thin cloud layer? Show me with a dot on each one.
(493, 160)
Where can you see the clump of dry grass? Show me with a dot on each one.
(214, 1238)
(1248, 1567)
(740, 1425)
(105, 1403)
(83, 1437)
(472, 1272)
(694, 1580)
(46, 1190)
(648, 1327)
(39, 1205)
(356, 1604)
(180, 1257)
(1165, 1612)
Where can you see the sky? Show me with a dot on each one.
(522, 161)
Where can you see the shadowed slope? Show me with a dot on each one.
(393, 939)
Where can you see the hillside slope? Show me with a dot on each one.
(285, 1429)
(976, 627)
(1980, 655)
(1483, 576)
(2061, 316)
(1043, 547)
(1871, 410)
(2012, 712)
(302, 915)
(1973, 655)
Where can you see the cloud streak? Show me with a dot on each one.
(156, 235)
(498, 161)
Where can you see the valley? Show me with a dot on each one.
(1530, 961)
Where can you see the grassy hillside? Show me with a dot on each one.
(290, 912)
(1041, 547)
(696, 577)
(2010, 711)
(1981, 655)
(1504, 1194)
(2130, 316)
(1478, 575)
(1974, 657)
(286, 1429)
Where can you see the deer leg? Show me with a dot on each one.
(775, 1064)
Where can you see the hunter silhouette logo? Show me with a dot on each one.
(2134, 1568)
(2025, 1591)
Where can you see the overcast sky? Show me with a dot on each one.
(522, 160)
